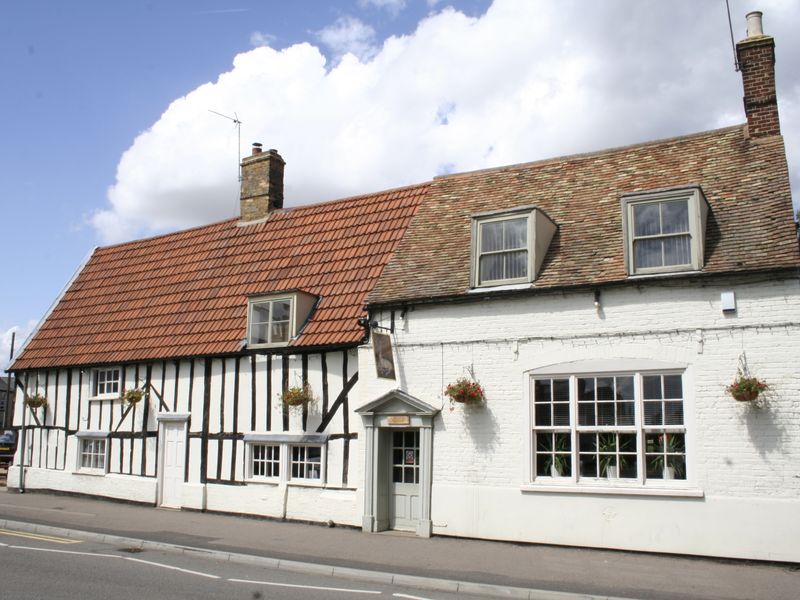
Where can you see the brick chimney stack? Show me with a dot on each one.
(756, 56)
(262, 185)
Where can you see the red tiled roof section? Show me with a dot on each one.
(746, 183)
(185, 294)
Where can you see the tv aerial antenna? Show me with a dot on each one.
(238, 124)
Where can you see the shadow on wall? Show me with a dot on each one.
(765, 432)
(479, 422)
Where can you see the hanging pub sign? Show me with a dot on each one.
(384, 362)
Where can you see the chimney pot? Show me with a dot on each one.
(256, 148)
(754, 25)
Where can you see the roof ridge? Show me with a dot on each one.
(593, 153)
(287, 210)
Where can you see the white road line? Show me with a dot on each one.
(306, 587)
(101, 555)
(163, 566)
(410, 597)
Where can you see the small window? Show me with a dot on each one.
(265, 461)
(664, 231)
(106, 382)
(509, 247)
(93, 454)
(270, 321)
(306, 462)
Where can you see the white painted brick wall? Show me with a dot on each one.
(736, 451)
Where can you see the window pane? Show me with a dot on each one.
(652, 387)
(673, 413)
(675, 216)
(259, 313)
(491, 267)
(605, 388)
(624, 388)
(626, 413)
(280, 332)
(258, 333)
(585, 388)
(492, 236)
(673, 386)
(543, 417)
(652, 413)
(586, 413)
(561, 390)
(541, 390)
(605, 413)
(647, 253)
(646, 219)
(281, 310)
(677, 250)
(516, 233)
(516, 264)
(561, 413)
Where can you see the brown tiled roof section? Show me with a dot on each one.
(746, 182)
(185, 294)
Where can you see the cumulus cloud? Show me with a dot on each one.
(526, 80)
(349, 35)
(259, 38)
(392, 6)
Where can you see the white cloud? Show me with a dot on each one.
(392, 6)
(22, 332)
(349, 35)
(526, 80)
(259, 38)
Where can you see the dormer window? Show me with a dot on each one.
(508, 247)
(276, 320)
(664, 230)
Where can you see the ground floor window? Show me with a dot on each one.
(624, 428)
(286, 457)
(93, 452)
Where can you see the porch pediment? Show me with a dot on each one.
(398, 402)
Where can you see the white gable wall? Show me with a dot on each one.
(742, 461)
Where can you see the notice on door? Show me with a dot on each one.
(409, 457)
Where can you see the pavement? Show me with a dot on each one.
(476, 568)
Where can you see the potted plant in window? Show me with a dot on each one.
(297, 395)
(35, 401)
(558, 462)
(746, 388)
(611, 464)
(465, 391)
(674, 446)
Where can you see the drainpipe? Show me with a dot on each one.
(22, 440)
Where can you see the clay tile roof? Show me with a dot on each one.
(746, 183)
(185, 294)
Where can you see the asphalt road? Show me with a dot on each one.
(36, 567)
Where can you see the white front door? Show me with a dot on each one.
(172, 463)
(404, 500)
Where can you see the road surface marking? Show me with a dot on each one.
(39, 536)
(55, 510)
(409, 597)
(306, 587)
(75, 552)
(163, 566)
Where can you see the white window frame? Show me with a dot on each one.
(697, 213)
(286, 442)
(639, 485)
(92, 437)
(290, 333)
(95, 383)
(539, 233)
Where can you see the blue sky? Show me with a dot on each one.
(106, 134)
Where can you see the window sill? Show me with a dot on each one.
(112, 397)
(256, 481)
(89, 473)
(689, 271)
(301, 483)
(608, 490)
(488, 289)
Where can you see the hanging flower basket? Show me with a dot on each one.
(36, 401)
(132, 396)
(746, 389)
(465, 391)
(297, 395)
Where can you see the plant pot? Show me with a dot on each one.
(745, 395)
(554, 472)
(669, 472)
(611, 472)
